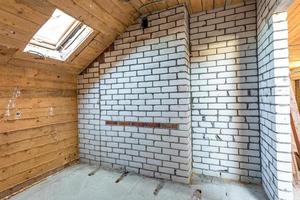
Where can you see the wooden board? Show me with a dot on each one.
(38, 120)
(294, 34)
(295, 123)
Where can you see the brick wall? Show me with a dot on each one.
(238, 86)
(141, 90)
(225, 93)
(274, 100)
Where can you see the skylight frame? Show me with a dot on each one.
(70, 40)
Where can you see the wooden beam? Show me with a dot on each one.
(295, 123)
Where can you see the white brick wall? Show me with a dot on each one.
(145, 79)
(274, 101)
(225, 93)
(231, 63)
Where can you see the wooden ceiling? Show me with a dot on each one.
(294, 34)
(20, 19)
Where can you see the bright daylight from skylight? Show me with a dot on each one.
(59, 37)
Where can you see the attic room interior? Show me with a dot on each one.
(150, 99)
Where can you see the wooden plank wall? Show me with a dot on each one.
(38, 123)
(294, 33)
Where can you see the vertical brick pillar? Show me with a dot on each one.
(274, 87)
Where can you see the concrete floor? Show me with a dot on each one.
(297, 192)
(74, 183)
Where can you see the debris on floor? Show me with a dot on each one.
(94, 171)
(125, 173)
(197, 195)
(159, 187)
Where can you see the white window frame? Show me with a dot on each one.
(73, 37)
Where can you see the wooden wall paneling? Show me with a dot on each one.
(38, 120)
(19, 136)
(40, 65)
(37, 73)
(41, 60)
(62, 157)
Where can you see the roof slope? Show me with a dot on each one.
(21, 19)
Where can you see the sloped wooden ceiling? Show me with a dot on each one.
(294, 34)
(20, 19)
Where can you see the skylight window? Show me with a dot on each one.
(59, 37)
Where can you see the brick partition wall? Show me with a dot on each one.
(225, 123)
(207, 92)
(274, 96)
(142, 89)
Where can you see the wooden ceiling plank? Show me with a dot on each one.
(23, 11)
(144, 9)
(6, 54)
(11, 42)
(219, 3)
(82, 15)
(16, 21)
(41, 6)
(127, 8)
(161, 5)
(101, 14)
(87, 56)
(196, 6)
(294, 34)
(15, 33)
(148, 7)
(171, 3)
(207, 4)
(293, 21)
(137, 4)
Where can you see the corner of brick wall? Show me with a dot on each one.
(274, 87)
